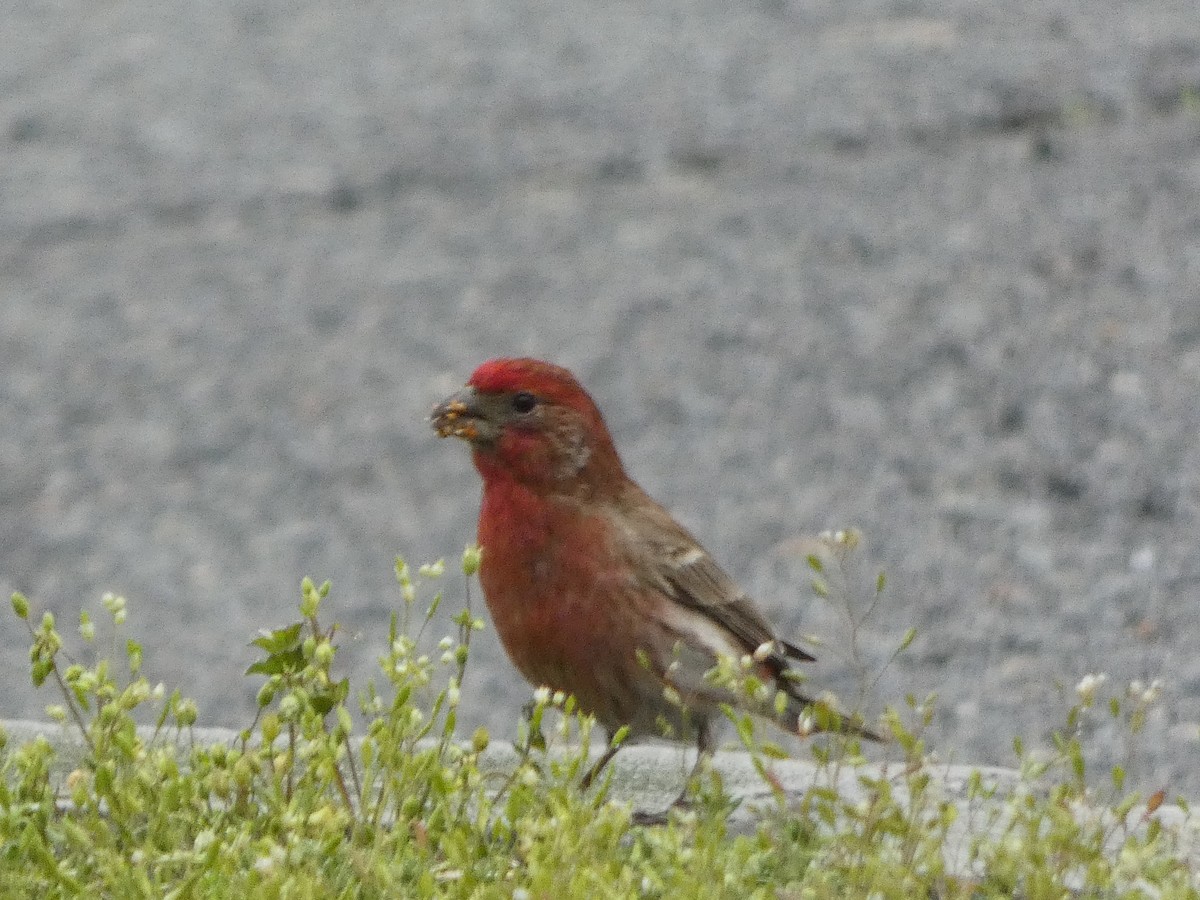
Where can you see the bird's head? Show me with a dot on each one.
(533, 422)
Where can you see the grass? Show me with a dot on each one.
(334, 792)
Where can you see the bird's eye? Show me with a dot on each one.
(523, 401)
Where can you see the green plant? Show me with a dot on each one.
(332, 793)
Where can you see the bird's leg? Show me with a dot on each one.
(704, 752)
(603, 761)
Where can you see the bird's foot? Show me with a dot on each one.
(649, 819)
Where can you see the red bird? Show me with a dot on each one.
(594, 589)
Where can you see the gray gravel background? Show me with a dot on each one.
(929, 269)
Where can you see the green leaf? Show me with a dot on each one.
(279, 663)
(280, 640)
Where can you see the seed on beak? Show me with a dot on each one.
(448, 421)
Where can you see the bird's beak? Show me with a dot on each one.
(457, 415)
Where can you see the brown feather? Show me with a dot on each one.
(689, 575)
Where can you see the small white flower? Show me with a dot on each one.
(432, 570)
(764, 651)
(1088, 685)
(1152, 693)
(541, 696)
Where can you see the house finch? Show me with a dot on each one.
(594, 589)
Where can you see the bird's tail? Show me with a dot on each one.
(807, 715)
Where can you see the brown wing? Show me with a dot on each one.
(686, 572)
(682, 569)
